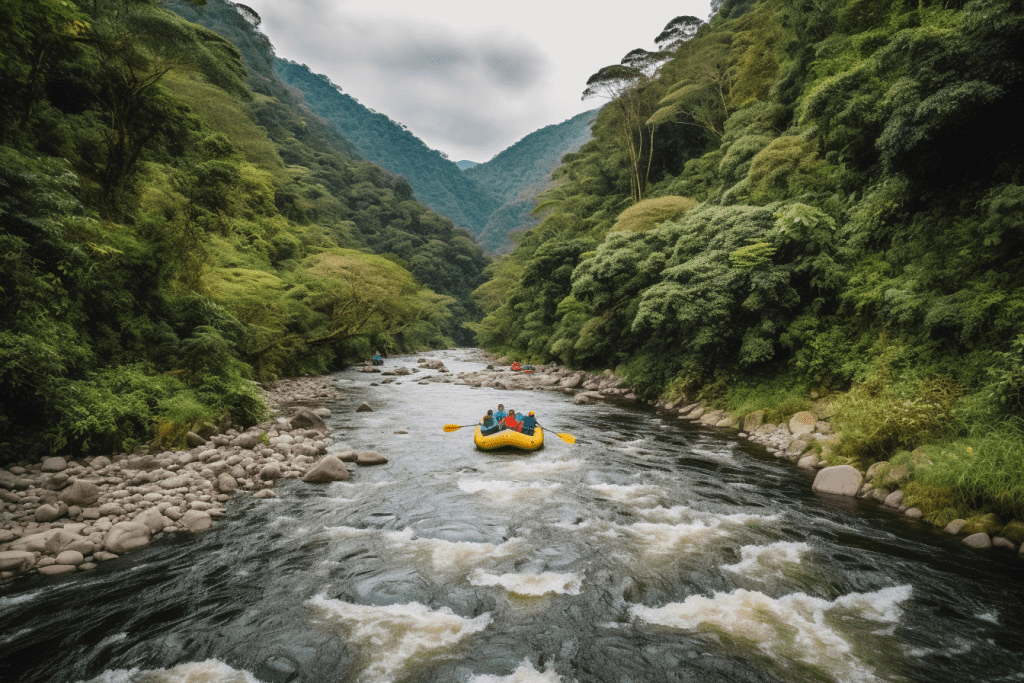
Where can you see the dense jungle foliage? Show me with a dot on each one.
(173, 227)
(518, 174)
(802, 196)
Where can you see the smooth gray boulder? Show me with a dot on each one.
(271, 471)
(125, 536)
(752, 421)
(245, 441)
(16, 561)
(979, 541)
(307, 419)
(370, 458)
(264, 493)
(808, 461)
(364, 408)
(226, 483)
(839, 480)
(196, 520)
(178, 482)
(894, 499)
(955, 526)
(154, 519)
(193, 440)
(56, 464)
(347, 456)
(803, 422)
(81, 493)
(328, 469)
(46, 513)
(72, 557)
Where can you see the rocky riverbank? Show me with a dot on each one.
(806, 440)
(60, 515)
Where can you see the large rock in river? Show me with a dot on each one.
(125, 536)
(307, 419)
(840, 480)
(329, 468)
(370, 458)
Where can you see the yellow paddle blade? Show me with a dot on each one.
(452, 428)
(568, 438)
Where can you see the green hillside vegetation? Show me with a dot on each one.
(174, 227)
(851, 176)
(517, 175)
(436, 181)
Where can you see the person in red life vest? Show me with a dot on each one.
(512, 423)
(516, 366)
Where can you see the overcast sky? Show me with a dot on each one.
(467, 78)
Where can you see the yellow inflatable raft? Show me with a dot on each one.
(507, 438)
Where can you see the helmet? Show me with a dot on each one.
(531, 412)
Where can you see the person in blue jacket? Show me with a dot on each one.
(500, 415)
(488, 425)
(529, 422)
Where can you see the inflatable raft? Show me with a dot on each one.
(509, 439)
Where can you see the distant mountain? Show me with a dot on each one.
(436, 181)
(491, 200)
(517, 175)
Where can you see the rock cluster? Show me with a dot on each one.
(61, 515)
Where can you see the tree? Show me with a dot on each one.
(678, 31)
(628, 88)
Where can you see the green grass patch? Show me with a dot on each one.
(779, 398)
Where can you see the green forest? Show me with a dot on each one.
(176, 227)
(801, 199)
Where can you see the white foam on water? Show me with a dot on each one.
(454, 555)
(530, 584)
(743, 518)
(791, 627)
(11, 637)
(505, 490)
(991, 617)
(636, 494)
(756, 559)
(19, 599)
(210, 671)
(533, 467)
(391, 635)
(667, 538)
(349, 531)
(676, 513)
(443, 555)
(111, 639)
(524, 674)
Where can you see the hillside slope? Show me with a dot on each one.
(517, 175)
(436, 182)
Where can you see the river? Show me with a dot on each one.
(647, 551)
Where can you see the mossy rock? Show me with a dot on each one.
(989, 524)
(875, 469)
(1014, 531)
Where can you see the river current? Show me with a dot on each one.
(649, 550)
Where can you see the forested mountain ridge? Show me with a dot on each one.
(797, 197)
(518, 174)
(436, 181)
(174, 226)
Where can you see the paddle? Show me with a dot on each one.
(568, 438)
(455, 428)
